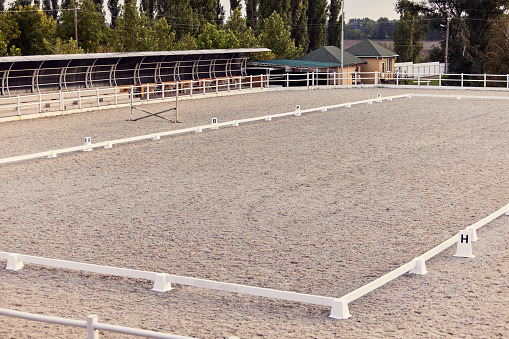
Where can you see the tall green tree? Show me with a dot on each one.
(180, 16)
(299, 20)
(334, 24)
(137, 32)
(234, 4)
(276, 36)
(409, 33)
(252, 13)
(317, 20)
(51, 8)
(238, 26)
(470, 22)
(114, 8)
(90, 24)
(214, 38)
(34, 27)
(8, 31)
(148, 7)
(496, 55)
(281, 7)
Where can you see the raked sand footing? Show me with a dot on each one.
(320, 204)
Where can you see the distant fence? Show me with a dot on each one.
(67, 102)
(90, 324)
(425, 69)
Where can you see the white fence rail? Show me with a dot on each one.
(66, 102)
(90, 324)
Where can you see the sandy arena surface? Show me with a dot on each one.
(321, 204)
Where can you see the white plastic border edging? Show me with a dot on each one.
(90, 324)
(340, 306)
(157, 136)
(162, 281)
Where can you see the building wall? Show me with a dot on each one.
(376, 65)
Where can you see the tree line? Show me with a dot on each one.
(478, 40)
(289, 28)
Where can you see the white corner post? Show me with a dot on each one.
(464, 249)
(162, 283)
(14, 262)
(340, 309)
(92, 333)
(376, 77)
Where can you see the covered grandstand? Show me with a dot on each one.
(48, 73)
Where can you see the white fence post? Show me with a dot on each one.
(461, 79)
(40, 102)
(484, 80)
(204, 86)
(440, 80)
(251, 81)
(217, 86)
(287, 79)
(97, 94)
(419, 80)
(60, 101)
(507, 80)
(162, 91)
(116, 93)
(92, 333)
(376, 77)
(17, 106)
(148, 92)
(131, 101)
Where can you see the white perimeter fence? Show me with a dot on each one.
(163, 281)
(91, 324)
(67, 102)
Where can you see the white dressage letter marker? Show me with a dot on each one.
(464, 244)
(214, 122)
(88, 141)
(297, 110)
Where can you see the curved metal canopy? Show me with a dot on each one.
(41, 73)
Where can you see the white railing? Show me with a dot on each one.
(64, 102)
(91, 324)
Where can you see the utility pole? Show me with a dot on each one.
(75, 24)
(342, 37)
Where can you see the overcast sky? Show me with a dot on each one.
(373, 9)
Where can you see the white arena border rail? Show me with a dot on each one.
(339, 306)
(157, 136)
(90, 324)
